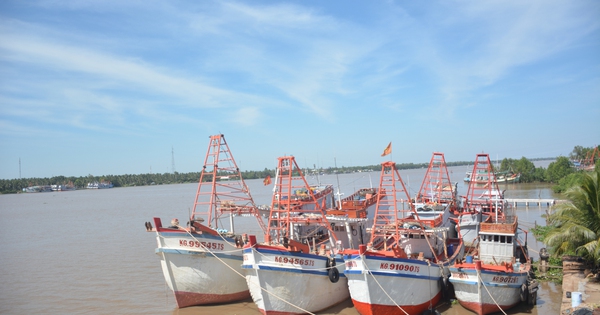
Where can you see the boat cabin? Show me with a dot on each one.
(498, 240)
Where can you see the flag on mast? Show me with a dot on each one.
(267, 180)
(387, 150)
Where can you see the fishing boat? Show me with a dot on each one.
(201, 261)
(302, 199)
(63, 187)
(299, 267)
(404, 267)
(436, 199)
(34, 189)
(483, 198)
(495, 275)
(501, 177)
(100, 185)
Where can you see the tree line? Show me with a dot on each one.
(573, 228)
(561, 172)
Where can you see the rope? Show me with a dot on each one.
(486, 289)
(243, 276)
(382, 289)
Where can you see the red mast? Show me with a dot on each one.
(293, 202)
(483, 193)
(393, 206)
(221, 188)
(436, 186)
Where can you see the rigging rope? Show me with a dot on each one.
(486, 289)
(243, 276)
(382, 289)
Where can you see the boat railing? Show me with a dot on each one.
(504, 224)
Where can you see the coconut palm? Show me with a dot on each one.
(577, 223)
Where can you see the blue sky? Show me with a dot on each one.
(113, 87)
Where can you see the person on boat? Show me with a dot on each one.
(174, 224)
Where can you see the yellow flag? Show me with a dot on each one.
(387, 150)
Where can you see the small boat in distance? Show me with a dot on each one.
(501, 177)
(64, 187)
(99, 185)
(36, 189)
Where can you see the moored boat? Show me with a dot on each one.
(495, 277)
(483, 198)
(64, 187)
(404, 268)
(436, 199)
(201, 261)
(299, 267)
(501, 177)
(100, 185)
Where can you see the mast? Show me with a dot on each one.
(436, 186)
(293, 202)
(221, 188)
(483, 187)
(391, 208)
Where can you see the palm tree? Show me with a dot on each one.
(577, 223)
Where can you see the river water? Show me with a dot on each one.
(88, 252)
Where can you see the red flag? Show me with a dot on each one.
(267, 180)
(387, 150)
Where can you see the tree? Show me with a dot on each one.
(526, 168)
(576, 224)
(578, 153)
(559, 169)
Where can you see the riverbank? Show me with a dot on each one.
(580, 288)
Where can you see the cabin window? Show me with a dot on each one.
(509, 239)
(502, 239)
(496, 238)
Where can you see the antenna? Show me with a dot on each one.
(19, 168)
(172, 160)
(339, 196)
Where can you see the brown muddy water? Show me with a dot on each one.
(87, 251)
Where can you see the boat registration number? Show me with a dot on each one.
(294, 261)
(399, 267)
(505, 279)
(460, 275)
(197, 244)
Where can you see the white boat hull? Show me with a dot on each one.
(282, 282)
(505, 288)
(198, 275)
(384, 285)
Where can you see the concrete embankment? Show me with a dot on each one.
(581, 288)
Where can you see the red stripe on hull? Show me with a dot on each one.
(374, 309)
(483, 309)
(185, 299)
